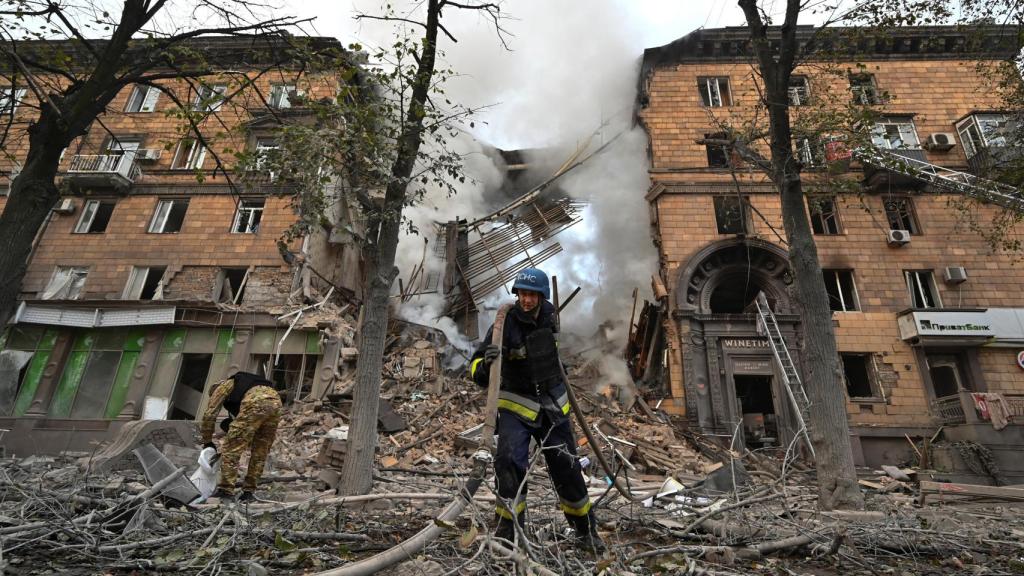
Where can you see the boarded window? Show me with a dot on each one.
(730, 214)
(857, 373)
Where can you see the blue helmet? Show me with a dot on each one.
(533, 279)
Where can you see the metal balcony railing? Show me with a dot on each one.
(949, 410)
(123, 165)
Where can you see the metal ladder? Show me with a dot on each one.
(790, 375)
(950, 180)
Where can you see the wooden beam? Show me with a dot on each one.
(971, 490)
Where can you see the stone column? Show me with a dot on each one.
(40, 405)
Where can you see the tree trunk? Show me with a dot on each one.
(829, 428)
(357, 474)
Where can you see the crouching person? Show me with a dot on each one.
(254, 410)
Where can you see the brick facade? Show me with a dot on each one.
(936, 91)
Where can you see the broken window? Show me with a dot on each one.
(66, 283)
(714, 92)
(731, 214)
(824, 216)
(798, 91)
(169, 216)
(145, 283)
(947, 374)
(981, 131)
(95, 217)
(96, 383)
(210, 97)
(13, 365)
(189, 155)
(248, 216)
(9, 100)
(857, 374)
(718, 154)
(292, 374)
(188, 391)
(231, 285)
(279, 94)
(923, 291)
(842, 292)
(810, 152)
(899, 211)
(864, 89)
(265, 154)
(142, 99)
(895, 133)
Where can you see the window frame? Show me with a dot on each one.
(714, 149)
(974, 143)
(919, 281)
(798, 94)
(278, 96)
(810, 151)
(193, 159)
(250, 227)
(163, 218)
(74, 292)
(819, 219)
(833, 278)
(88, 217)
(704, 84)
(744, 216)
(10, 98)
(864, 89)
(869, 369)
(880, 133)
(134, 288)
(205, 97)
(906, 216)
(145, 96)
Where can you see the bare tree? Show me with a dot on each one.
(421, 120)
(776, 59)
(46, 47)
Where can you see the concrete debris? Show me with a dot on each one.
(705, 506)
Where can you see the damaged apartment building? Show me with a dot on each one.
(929, 319)
(160, 272)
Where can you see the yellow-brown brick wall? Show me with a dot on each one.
(936, 92)
(205, 239)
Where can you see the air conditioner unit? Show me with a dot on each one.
(898, 237)
(148, 154)
(940, 141)
(65, 206)
(955, 275)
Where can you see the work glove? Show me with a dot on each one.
(225, 424)
(491, 353)
(209, 445)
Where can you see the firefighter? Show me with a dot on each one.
(533, 403)
(254, 410)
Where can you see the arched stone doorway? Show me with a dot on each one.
(729, 374)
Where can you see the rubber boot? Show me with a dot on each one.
(506, 529)
(587, 539)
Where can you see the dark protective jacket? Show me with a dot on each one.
(531, 379)
(244, 381)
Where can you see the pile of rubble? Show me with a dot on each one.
(692, 507)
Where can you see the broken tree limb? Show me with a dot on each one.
(481, 464)
(745, 552)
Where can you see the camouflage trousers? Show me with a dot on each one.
(254, 428)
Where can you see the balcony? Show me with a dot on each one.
(103, 170)
(991, 161)
(877, 178)
(959, 409)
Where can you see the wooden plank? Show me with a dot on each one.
(973, 490)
